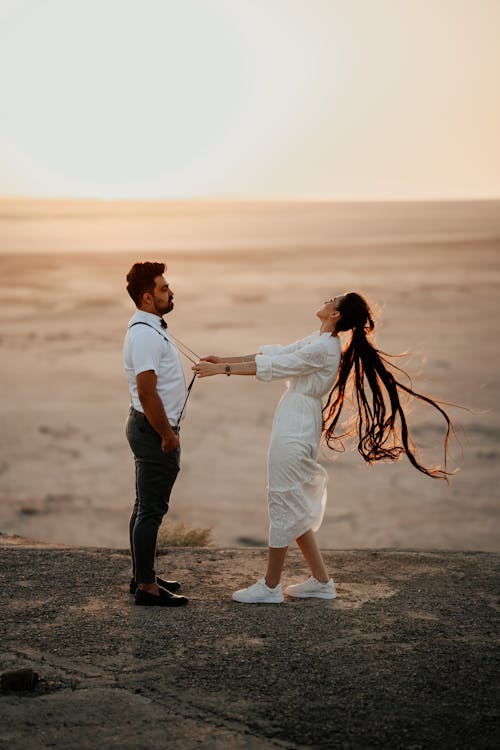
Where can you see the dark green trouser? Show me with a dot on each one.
(155, 474)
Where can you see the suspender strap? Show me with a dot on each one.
(141, 323)
(185, 402)
(188, 391)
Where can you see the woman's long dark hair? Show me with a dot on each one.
(381, 424)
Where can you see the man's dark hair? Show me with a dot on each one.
(141, 279)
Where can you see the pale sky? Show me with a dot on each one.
(272, 99)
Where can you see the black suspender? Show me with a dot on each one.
(141, 323)
(188, 391)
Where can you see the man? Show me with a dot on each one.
(158, 392)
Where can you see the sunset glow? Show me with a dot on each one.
(300, 99)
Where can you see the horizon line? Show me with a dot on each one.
(249, 199)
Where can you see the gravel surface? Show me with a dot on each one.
(405, 657)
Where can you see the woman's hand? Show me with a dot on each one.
(212, 358)
(204, 369)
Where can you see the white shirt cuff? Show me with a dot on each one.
(264, 367)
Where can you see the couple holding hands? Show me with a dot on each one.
(314, 367)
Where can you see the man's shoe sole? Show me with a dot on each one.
(163, 604)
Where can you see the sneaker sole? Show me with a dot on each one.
(258, 601)
(311, 596)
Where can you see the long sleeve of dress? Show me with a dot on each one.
(296, 360)
(272, 349)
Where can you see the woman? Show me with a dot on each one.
(297, 483)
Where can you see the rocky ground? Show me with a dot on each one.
(406, 657)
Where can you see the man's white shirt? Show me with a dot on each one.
(147, 349)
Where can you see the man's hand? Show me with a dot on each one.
(154, 410)
(169, 443)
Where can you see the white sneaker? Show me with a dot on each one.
(312, 588)
(259, 593)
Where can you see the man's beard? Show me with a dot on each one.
(162, 309)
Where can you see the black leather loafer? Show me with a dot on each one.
(171, 586)
(165, 599)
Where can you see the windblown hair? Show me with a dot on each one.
(381, 425)
(141, 279)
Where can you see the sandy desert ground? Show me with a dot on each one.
(243, 275)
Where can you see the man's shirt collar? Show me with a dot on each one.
(146, 317)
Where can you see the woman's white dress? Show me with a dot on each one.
(296, 482)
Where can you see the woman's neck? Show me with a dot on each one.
(327, 326)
